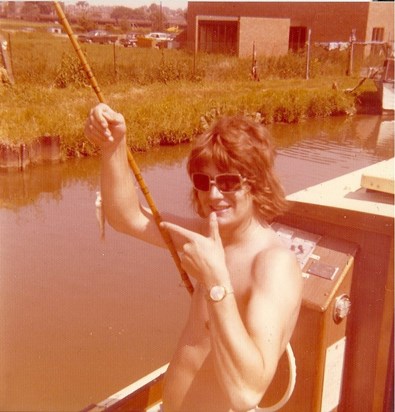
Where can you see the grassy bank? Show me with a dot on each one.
(163, 94)
(159, 113)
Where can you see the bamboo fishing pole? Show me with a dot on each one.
(132, 163)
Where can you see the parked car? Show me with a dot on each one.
(158, 36)
(98, 36)
(130, 40)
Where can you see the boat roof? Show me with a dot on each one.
(369, 190)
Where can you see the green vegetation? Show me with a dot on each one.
(165, 95)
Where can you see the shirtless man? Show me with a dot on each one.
(248, 286)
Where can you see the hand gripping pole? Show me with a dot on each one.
(132, 163)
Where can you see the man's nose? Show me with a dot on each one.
(214, 192)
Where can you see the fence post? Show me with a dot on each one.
(308, 55)
(115, 62)
(353, 38)
(196, 45)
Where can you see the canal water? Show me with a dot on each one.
(81, 317)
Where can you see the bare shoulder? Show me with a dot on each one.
(277, 266)
(276, 296)
(277, 254)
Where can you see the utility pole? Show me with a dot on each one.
(160, 17)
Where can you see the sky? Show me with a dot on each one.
(172, 4)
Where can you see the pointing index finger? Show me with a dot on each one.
(213, 224)
(179, 230)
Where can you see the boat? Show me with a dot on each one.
(343, 233)
(384, 81)
(145, 395)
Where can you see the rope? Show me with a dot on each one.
(291, 384)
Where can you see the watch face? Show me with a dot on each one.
(217, 293)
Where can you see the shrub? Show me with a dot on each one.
(71, 72)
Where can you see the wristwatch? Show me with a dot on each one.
(218, 292)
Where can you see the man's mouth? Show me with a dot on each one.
(219, 209)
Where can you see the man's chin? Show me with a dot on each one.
(225, 220)
(223, 215)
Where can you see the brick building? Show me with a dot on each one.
(276, 27)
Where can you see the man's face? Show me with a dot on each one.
(232, 209)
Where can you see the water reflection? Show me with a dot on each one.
(318, 150)
(81, 318)
(339, 145)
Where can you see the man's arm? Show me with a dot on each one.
(246, 355)
(248, 346)
(106, 129)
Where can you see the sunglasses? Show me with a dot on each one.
(225, 182)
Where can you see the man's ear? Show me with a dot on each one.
(247, 187)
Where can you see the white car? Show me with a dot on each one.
(158, 36)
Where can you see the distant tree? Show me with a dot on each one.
(140, 13)
(10, 8)
(83, 5)
(84, 21)
(157, 17)
(45, 7)
(30, 10)
(121, 12)
(86, 24)
(124, 25)
(183, 13)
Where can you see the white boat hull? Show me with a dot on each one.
(388, 96)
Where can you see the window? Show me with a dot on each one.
(377, 35)
(389, 70)
(218, 37)
(297, 38)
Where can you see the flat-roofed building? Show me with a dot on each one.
(276, 27)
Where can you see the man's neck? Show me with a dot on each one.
(242, 233)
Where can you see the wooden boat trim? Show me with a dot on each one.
(138, 396)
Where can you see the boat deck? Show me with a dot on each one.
(359, 207)
(369, 191)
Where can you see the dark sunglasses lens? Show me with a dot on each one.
(228, 183)
(201, 182)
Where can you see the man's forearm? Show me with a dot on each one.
(239, 363)
(120, 200)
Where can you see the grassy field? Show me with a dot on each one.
(165, 95)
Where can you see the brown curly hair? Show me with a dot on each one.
(236, 143)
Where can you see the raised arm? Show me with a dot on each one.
(106, 128)
(247, 348)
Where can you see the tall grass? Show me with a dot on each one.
(37, 58)
(163, 94)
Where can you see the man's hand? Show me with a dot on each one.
(202, 257)
(104, 127)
